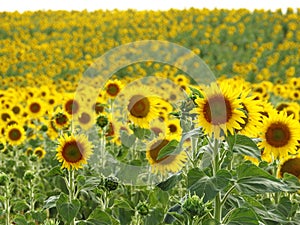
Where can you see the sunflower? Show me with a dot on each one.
(60, 120)
(220, 110)
(70, 104)
(85, 119)
(141, 104)
(252, 109)
(15, 134)
(174, 128)
(289, 165)
(36, 108)
(39, 152)
(73, 151)
(170, 163)
(279, 136)
(113, 88)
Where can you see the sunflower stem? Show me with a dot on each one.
(216, 167)
(71, 188)
(31, 206)
(7, 203)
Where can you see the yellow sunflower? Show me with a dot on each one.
(219, 112)
(85, 119)
(279, 136)
(173, 128)
(289, 165)
(170, 163)
(15, 134)
(113, 88)
(70, 104)
(60, 120)
(73, 151)
(252, 109)
(39, 152)
(36, 108)
(141, 105)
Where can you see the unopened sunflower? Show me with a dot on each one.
(279, 136)
(220, 110)
(73, 151)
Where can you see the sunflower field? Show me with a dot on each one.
(150, 117)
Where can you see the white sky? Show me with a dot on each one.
(90, 5)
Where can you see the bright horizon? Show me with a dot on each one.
(92, 5)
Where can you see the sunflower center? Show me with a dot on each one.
(35, 107)
(38, 153)
(72, 152)
(84, 118)
(217, 110)
(113, 89)
(99, 108)
(61, 119)
(5, 117)
(278, 135)
(172, 128)
(16, 109)
(139, 106)
(110, 130)
(15, 134)
(72, 107)
(155, 149)
(291, 166)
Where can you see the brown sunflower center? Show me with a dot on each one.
(139, 106)
(72, 107)
(61, 119)
(291, 166)
(156, 130)
(99, 108)
(110, 130)
(172, 128)
(113, 89)
(217, 110)
(16, 109)
(85, 118)
(35, 107)
(5, 116)
(39, 153)
(278, 135)
(14, 134)
(72, 151)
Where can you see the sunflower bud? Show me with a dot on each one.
(102, 121)
(29, 175)
(44, 128)
(111, 183)
(142, 208)
(194, 206)
(3, 179)
(33, 158)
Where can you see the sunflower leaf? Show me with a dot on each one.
(244, 145)
(67, 210)
(168, 149)
(99, 217)
(170, 182)
(243, 216)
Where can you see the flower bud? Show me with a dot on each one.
(29, 175)
(3, 179)
(142, 208)
(194, 206)
(111, 183)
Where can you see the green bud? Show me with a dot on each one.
(194, 206)
(102, 121)
(111, 183)
(44, 128)
(3, 179)
(29, 175)
(33, 158)
(143, 208)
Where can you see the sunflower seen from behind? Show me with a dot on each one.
(219, 111)
(279, 136)
(73, 151)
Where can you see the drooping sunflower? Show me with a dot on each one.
(39, 152)
(15, 134)
(219, 112)
(170, 163)
(73, 151)
(279, 136)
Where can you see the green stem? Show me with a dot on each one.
(71, 188)
(31, 206)
(216, 167)
(7, 203)
(227, 194)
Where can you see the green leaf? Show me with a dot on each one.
(50, 202)
(201, 184)
(242, 216)
(39, 216)
(20, 205)
(210, 222)
(141, 133)
(254, 180)
(245, 146)
(286, 208)
(20, 220)
(155, 217)
(55, 171)
(167, 149)
(127, 140)
(99, 217)
(67, 210)
(125, 216)
(170, 182)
